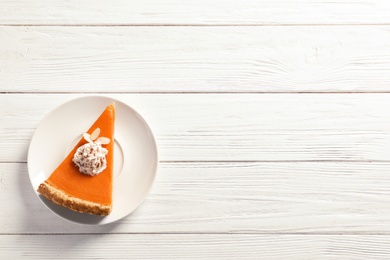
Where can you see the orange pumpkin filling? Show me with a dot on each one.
(69, 187)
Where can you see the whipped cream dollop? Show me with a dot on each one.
(91, 157)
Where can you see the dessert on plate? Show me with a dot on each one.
(83, 180)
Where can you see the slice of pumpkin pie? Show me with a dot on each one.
(83, 181)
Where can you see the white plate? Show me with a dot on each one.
(135, 154)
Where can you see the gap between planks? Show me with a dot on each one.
(251, 161)
(195, 25)
(193, 93)
(209, 233)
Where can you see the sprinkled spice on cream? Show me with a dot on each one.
(91, 157)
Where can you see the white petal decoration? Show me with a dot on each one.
(87, 138)
(103, 140)
(95, 134)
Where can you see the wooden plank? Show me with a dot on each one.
(222, 127)
(202, 12)
(189, 246)
(320, 197)
(195, 59)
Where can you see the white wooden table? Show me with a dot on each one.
(272, 119)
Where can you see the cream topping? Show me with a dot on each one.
(91, 157)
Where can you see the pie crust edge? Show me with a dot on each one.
(61, 198)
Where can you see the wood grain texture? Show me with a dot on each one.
(208, 246)
(244, 174)
(195, 59)
(284, 198)
(223, 127)
(203, 12)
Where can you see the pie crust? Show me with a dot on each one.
(61, 198)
